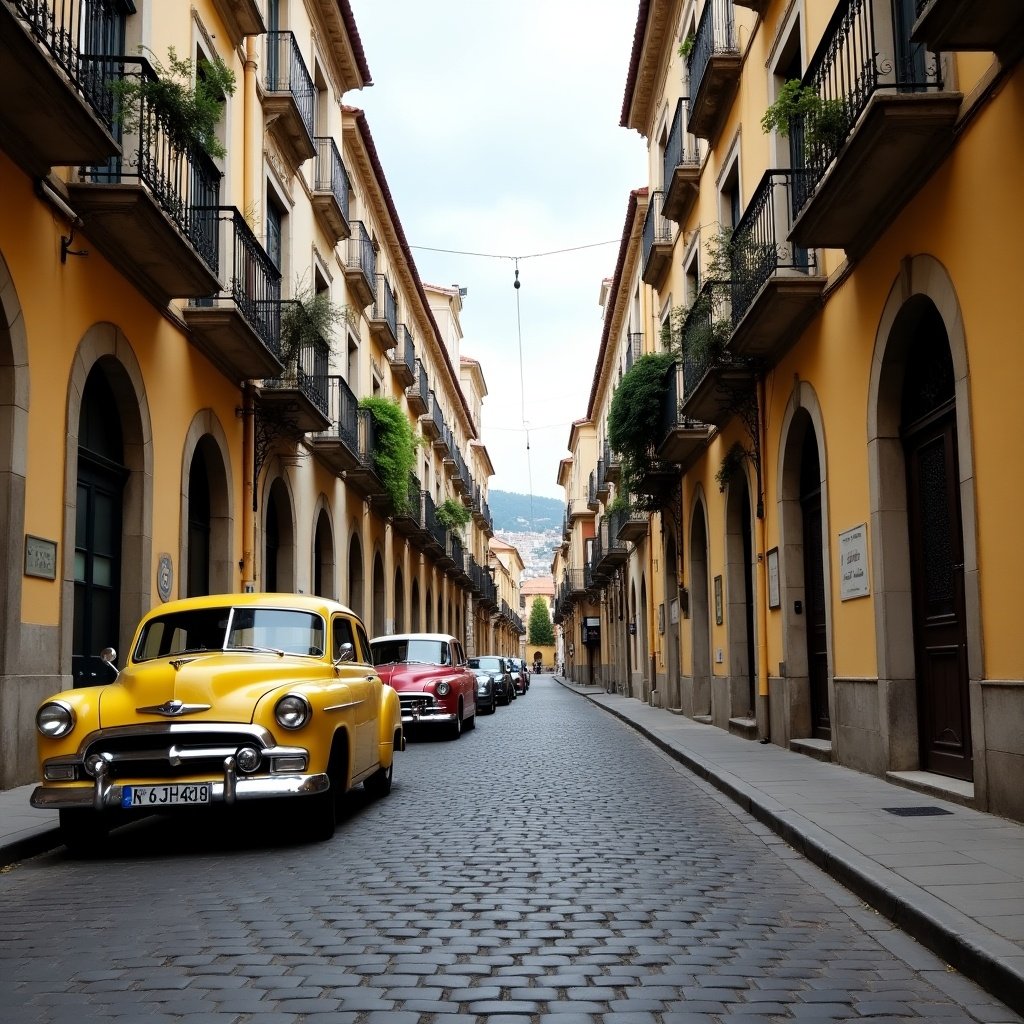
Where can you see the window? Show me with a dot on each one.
(275, 219)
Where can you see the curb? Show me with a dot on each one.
(975, 951)
(29, 846)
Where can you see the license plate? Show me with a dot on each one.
(165, 796)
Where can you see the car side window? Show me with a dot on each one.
(364, 656)
(342, 634)
(460, 654)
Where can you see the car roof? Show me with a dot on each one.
(447, 637)
(259, 599)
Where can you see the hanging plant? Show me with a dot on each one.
(188, 102)
(686, 46)
(310, 316)
(394, 453)
(824, 122)
(453, 515)
(732, 462)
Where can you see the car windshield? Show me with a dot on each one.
(272, 630)
(415, 650)
(487, 664)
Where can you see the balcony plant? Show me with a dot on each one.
(396, 444)
(187, 100)
(731, 464)
(686, 46)
(825, 122)
(308, 317)
(453, 515)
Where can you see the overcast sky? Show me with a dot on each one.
(497, 125)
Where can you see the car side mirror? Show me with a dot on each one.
(347, 652)
(108, 656)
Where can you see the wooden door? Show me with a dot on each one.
(814, 589)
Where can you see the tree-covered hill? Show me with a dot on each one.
(519, 513)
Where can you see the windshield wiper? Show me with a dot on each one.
(256, 650)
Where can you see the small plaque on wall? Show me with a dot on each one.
(40, 557)
(853, 563)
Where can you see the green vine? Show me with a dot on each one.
(686, 46)
(825, 122)
(190, 113)
(453, 515)
(394, 453)
(732, 462)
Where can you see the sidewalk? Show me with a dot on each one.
(951, 877)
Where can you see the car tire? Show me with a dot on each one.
(378, 785)
(456, 726)
(86, 833)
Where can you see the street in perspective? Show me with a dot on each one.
(551, 864)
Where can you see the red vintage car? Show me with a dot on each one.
(430, 673)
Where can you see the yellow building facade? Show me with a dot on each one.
(189, 327)
(813, 547)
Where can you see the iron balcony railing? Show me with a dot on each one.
(634, 349)
(407, 349)
(287, 72)
(592, 489)
(486, 513)
(681, 148)
(657, 228)
(329, 174)
(182, 180)
(437, 416)
(359, 253)
(434, 528)
(704, 333)
(343, 410)
(759, 247)
(716, 33)
(456, 552)
(420, 386)
(252, 281)
(574, 580)
(860, 52)
(488, 588)
(305, 371)
(63, 28)
(385, 306)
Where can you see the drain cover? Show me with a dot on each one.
(916, 812)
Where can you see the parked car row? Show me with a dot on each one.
(438, 686)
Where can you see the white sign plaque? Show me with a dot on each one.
(853, 563)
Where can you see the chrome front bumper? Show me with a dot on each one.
(232, 788)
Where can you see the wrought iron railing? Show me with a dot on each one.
(434, 528)
(329, 174)
(182, 180)
(859, 54)
(421, 384)
(657, 228)
(359, 252)
(406, 349)
(287, 72)
(385, 306)
(681, 148)
(305, 371)
(759, 245)
(254, 284)
(634, 349)
(437, 416)
(704, 333)
(716, 33)
(343, 410)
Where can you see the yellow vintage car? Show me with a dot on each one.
(223, 699)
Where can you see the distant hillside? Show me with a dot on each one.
(518, 513)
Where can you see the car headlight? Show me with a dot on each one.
(292, 711)
(443, 688)
(55, 719)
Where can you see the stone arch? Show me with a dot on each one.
(735, 696)
(399, 600)
(325, 569)
(699, 703)
(414, 611)
(279, 562)
(206, 441)
(379, 598)
(355, 576)
(671, 548)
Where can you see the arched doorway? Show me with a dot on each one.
(379, 597)
(429, 605)
(935, 530)
(739, 603)
(278, 541)
(671, 598)
(414, 611)
(323, 556)
(700, 613)
(815, 607)
(100, 484)
(399, 601)
(355, 578)
(645, 663)
(206, 547)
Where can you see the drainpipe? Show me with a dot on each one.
(248, 487)
(762, 574)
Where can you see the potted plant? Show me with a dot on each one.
(188, 101)
(686, 46)
(394, 453)
(825, 123)
(309, 317)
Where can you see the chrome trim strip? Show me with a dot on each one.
(253, 733)
(349, 704)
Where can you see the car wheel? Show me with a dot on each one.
(379, 783)
(85, 833)
(456, 726)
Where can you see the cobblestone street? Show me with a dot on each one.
(550, 865)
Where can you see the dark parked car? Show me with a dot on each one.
(496, 668)
(520, 674)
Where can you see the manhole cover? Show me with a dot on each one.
(916, 812)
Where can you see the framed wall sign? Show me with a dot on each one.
(853, 563)
(40, 557)
(774, 597)
(718, 600)
(661, 618)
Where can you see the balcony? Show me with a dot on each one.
(776, 287)
(338, 443)
(239, 329)
(713, 69)
(681, 171)
(601, 488)
(299, 397)
(417, 394)
(657, 242)
(331, 190)
(407, 520)
(610, 549)
(757, 6)
(657, 477)
(363, 475)
(715, 381)
(579, 509)
(432, 422)
(633, 524)
(592, 502)
(612, 466)
(403, 358)
(437, 541)
(241, 18)
(682, 439)
(456, 558)
(949, 25)
(290, 98)
(150, 211)
(634, 350)
(54, 107)
(882, 124)
(383, 317)
(361, 266)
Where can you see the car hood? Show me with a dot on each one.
(414, 677)
(231, 685)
